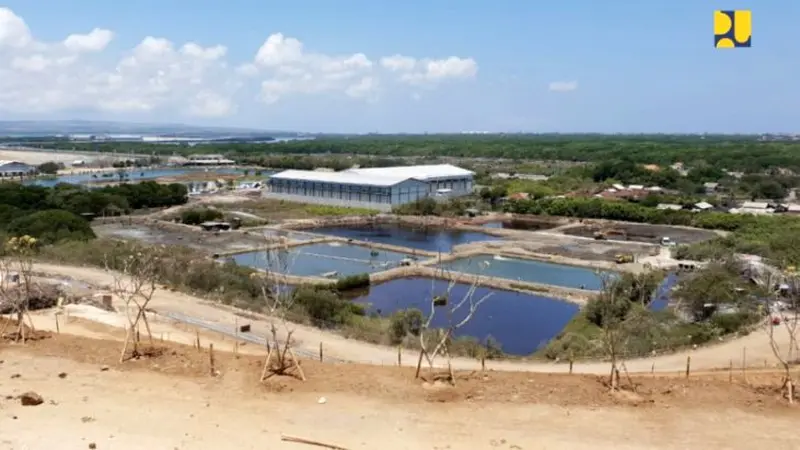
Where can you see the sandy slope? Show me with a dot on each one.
(758, 351)
(140, 409)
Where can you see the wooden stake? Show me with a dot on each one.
(570, 363)
(744, 363)
(320, 351)
(236, 336)
(653, 370)
(197, 338)
(400, 356)
(211, 359)
(298, 440)
(483, 363)
(688, 365)
(58, 328)
(419, 364)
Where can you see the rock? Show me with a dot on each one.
(31, 399)
(104, 368)
(322, 400)
(92, 445)
(62, 375)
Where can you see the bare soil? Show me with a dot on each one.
(169, 399)
(211, 242)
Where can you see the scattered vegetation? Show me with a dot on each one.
(196, 216)
(711, 303)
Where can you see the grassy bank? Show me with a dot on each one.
(326, 307)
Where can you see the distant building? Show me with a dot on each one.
(208, 160)
(375, 188)
(711, 187)
(15, 169)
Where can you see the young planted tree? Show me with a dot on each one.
(434, 342)
(136, 270)
(611, 311)
(16, 281)
(782, 309)
(278, 301)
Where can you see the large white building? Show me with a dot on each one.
(377, 188)
(15, 169)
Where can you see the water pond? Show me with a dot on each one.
(332, 259)
(520, 322)
(527, 270)
(133, 175)
(430, 239)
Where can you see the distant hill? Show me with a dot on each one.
(55, 127)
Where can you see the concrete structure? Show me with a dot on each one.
(376, 188)
(208, 160)
(15, 169)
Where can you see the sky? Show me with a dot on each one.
(347, 66)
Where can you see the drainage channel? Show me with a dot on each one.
(231, 332)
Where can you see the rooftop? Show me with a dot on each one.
(423, 173)
(345, 177)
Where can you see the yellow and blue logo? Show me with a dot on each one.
(733, 29)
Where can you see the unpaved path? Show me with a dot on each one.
(754, 348)
(132, 410)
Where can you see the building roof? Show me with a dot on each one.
(5, 162)
(755, 205)
(346, 177)
(423, 173)
(703, 205)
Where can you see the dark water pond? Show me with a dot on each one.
(520, 224)
(430, 239)
(520, 322)
(528, 270)
(320, 259)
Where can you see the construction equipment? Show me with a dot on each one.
(623, 258)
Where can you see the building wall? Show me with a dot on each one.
(347, 194)
(460, 185)
(15, 170)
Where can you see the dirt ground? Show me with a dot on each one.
(642, 232)
(210, 242)
(170, 400)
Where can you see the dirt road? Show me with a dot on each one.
(755, 347)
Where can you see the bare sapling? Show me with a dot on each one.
(612, 307)
(435, 342)
(782, 309)
(16, 282)
(135, 271)
(278, 301)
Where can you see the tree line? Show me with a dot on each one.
(741, 153)
(57, 213)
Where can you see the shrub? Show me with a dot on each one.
(405, 322)
(52, 226)
(196, 216)
(352, 282)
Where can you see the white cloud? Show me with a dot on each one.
(79, 73)
(398, 63)
(563, 86)
(95, 41)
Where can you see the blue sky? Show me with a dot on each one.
(542, 66)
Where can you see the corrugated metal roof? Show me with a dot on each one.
(345, 177)
(423, 173)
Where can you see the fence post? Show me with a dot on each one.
(58, 328)
(688, 365)
(320, 351)
(211, 358)
(400, 355)
(744, 363)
